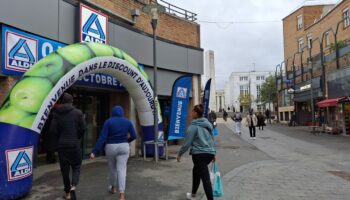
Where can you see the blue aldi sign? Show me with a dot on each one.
(19, 163)
(93, 25)
(22, 50)
(179, 107)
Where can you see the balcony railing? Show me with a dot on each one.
(177, 11)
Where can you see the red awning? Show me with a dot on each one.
(329, 102)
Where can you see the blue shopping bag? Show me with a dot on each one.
(218, 190)
(216, 131)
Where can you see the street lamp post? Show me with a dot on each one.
(155, 10)
(277, 66)
(311, 86)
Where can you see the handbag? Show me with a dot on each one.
(216, 181)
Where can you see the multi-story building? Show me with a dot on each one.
(209, 73)
(220, 100)
(43, 26)
(316, 56)
(242, 91)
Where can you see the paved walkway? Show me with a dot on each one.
(167, 180)
(301, 169)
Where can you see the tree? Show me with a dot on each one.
(245, 101)
(268, 91)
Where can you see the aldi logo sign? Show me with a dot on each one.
(93, 25)
(181, 92)
(19, 163)
(21, 52)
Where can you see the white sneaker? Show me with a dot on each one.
(251, 138)
(189, 196)
(254, 138)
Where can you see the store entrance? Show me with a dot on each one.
(95, 107)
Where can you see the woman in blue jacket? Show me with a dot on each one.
(201, 140)
(117, 133)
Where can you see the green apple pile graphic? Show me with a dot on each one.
(26, 97)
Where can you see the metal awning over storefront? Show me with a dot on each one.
(329, 102)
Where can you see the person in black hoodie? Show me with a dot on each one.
(68, 125)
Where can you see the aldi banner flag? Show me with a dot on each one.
(179, 107)
(206, 98)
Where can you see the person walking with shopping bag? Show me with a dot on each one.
(251, 121)
(200, 139)
(117, 132)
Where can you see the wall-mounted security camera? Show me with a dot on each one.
(135, 13)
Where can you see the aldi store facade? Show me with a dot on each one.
(32, 29)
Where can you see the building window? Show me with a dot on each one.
(309, 40)
(258, 78)
(300, 22)
(346, 18)
(262, 77)
(243, 89)
(326, 36)
(301, 44)
(258, 91)
(243, 78)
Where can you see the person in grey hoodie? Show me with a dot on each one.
(201, 140)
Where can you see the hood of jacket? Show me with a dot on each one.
(64, 108)
(202, 122)
(118, 111)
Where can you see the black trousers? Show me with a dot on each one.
(70, 158)
(252, 131)
(200, 172)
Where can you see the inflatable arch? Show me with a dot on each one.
(24, 112)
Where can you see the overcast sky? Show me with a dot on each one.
(239, 46)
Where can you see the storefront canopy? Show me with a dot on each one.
(329, 102)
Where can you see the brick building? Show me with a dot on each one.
(311, 56)
(56, 22)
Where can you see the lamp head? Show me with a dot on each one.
(154, 10)
(290, 90)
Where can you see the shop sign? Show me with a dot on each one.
(19, 163)
(100, 81)
(21, 50)
(93, 25)
(305, 87)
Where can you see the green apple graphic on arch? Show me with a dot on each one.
(12, 115)
(50, 67)
(26, 97)
(29, 93)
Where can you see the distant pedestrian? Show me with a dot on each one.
(237, 118)
(200, 139)
(69, 125)
(268, 115)
(117, 132)
(293, 120)
(251, 122)
(225, 114)
(261, 121)
(212, 117)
